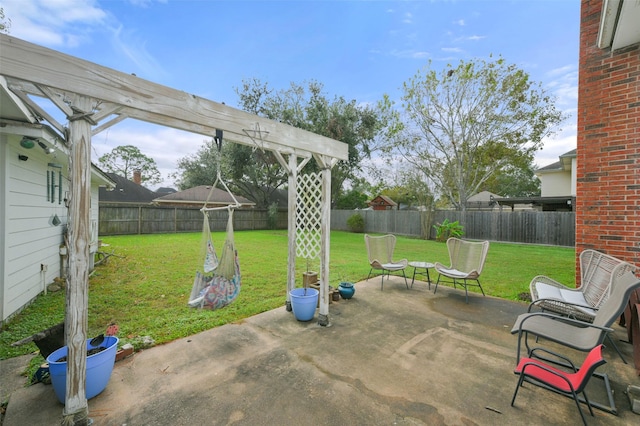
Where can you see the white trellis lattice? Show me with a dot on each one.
(308, 215)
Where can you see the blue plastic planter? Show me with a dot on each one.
(99, 368)
(304, 302)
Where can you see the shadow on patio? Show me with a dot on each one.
(397, 356)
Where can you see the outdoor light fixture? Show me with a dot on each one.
(22, 157)
(46, 149)
(27, 142)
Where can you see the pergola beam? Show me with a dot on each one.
(162, 105)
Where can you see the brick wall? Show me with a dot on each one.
(608, 144)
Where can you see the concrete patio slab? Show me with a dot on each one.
(392, 357)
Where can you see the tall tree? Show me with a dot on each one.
(199, 168)
(248, 172)
(514, 182)
(308, 107)
(461, 126)
(126, 159)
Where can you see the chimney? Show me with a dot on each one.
(137, 177)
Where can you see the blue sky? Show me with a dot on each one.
(358, 49)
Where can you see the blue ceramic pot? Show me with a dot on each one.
(346, 290)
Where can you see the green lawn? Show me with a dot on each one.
(145, 286)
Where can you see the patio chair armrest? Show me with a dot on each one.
(376, 264)
(559, 301)
(518, 327)
(534, 354)
(438, 265)
(545, 367)
(403, 262)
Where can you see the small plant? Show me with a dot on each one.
(356, 223)
(447, 229)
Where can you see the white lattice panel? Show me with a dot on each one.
(308, 215)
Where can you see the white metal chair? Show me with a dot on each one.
(380, 252)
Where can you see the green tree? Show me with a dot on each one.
(248, 172)
(252, 173)
(463, 125)
(514, 182)
(309, 108)
(199, 168)
(124, 160)
(5, 23)
(351, 200)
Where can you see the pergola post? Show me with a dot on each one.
(292, 171)
(326, 164)
(79, 234)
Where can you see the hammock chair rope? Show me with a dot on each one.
(219, 180)
(219, 283)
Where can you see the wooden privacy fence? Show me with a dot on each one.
(524, 226)
(146, 219)
(531, 227)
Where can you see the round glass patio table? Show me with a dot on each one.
(417, 270)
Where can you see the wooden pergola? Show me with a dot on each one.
(94, 98)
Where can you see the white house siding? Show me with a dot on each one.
(31, 242)
(554, 184)
(3, 207)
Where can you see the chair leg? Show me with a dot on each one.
(575, 398)
(616, 348)
(405, 279)
(520, 380)
(437, 282)
(370, 270)
(478, 281)
(586, 400)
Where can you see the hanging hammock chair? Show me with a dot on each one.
(219, 282)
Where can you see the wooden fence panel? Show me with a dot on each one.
(531, 227)
(524, 226)
(145, 219)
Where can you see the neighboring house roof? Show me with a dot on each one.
(563, 165)
(198, 195)
(547, 203)
(551, 167)
(382, 200)
(164, 191)
(482, 200)
(126, 191)
(482, 196)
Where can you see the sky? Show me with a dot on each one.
(359, 50)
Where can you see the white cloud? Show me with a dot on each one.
(72, 23)
(459, 22)
(135, 49)
(54, 23)
(408, 18)
(411, 54)
(554, 147)
(165, 145)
